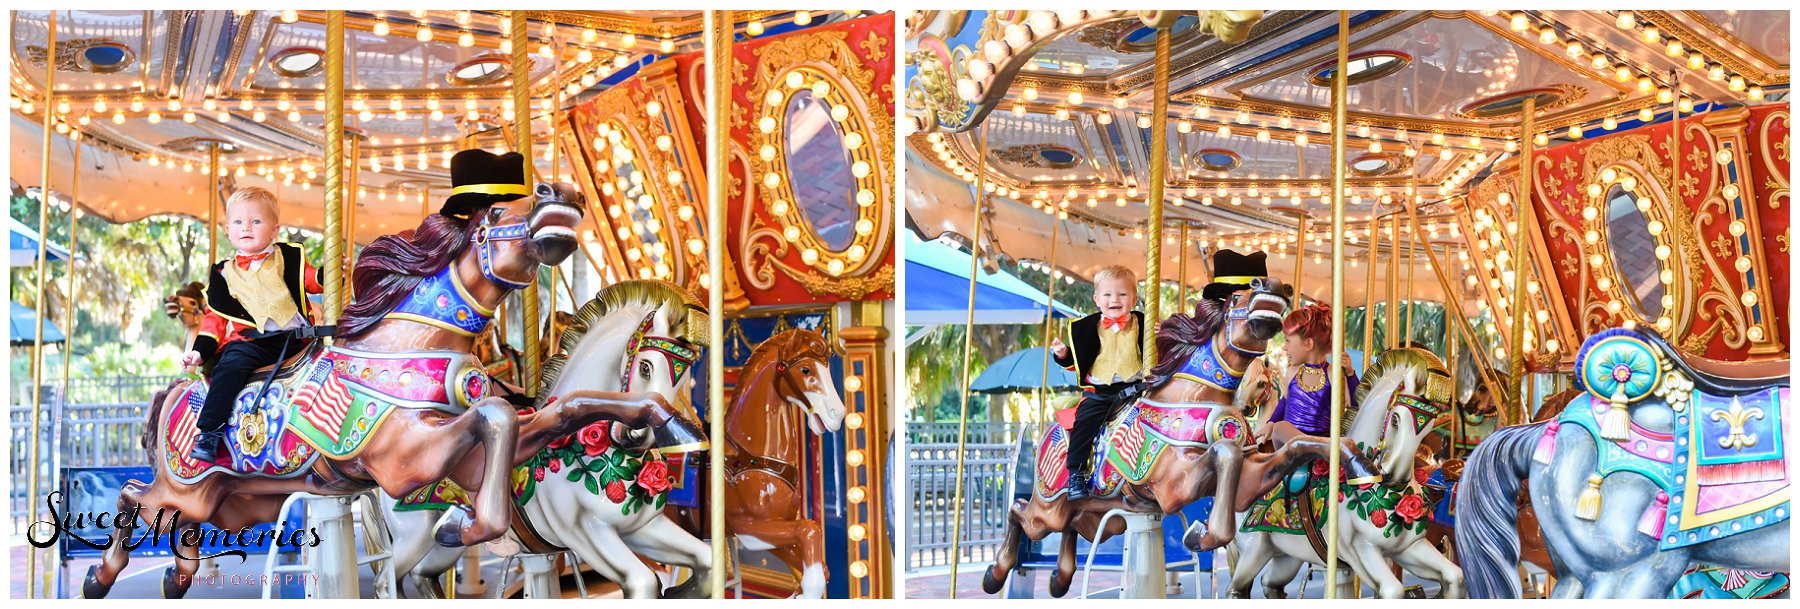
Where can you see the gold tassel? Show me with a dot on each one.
(1616, 425)
(1588, 506)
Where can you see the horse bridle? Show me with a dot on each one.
(1236, 315)
(486, 234)
(681, 356)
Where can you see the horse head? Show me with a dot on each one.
(635, 336)
(1406, 395)
(510, 241)
(803, 378)
(1260, 308)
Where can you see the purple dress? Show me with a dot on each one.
(1310, 411)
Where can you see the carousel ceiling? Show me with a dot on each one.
(1064, 100)
(149, 92)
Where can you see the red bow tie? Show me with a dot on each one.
(243, 262)
(1115, 323)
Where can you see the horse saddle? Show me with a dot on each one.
(259, 437)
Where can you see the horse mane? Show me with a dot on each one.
(392, 266)
(1397, 364)
(688, 321)
(806, 342)
(1178, 336)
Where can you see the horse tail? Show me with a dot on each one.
(1487, 511)
(148, 440)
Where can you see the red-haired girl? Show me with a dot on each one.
(1305, 406)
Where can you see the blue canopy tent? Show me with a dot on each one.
(937, 291)
(24, 327)
(23, 242)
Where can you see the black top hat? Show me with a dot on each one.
(1233, 271)
(480, 178)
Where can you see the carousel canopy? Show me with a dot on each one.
(1065, 99)
(151, 93)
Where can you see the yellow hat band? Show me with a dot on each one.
(491, 189)
(1237, 279)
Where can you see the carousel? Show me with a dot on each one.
(1514, 282)
(578, 303)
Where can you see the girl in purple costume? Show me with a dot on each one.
(1305, 405)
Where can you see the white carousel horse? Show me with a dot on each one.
(1404, 398)
(599, 493)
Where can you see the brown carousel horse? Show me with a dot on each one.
(784, 390)
(396, 403)
(1178, 443)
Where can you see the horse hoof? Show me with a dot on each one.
(1191, 540)
(172, 586)
(91, 586)
(990, 582)
(448, 531)
(1060, 588)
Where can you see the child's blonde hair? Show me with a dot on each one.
(1116, 271)
(255, 194)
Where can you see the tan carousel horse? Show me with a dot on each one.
(396, 403)
(1177, 444)
(783, 391)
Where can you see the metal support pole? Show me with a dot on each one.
(521, 96)
(1368, 350)
(1300, 258)
(1482, 363)
(1412, 269)
(1521, 242)
(1159, 168)
(1392, 335)
(1339, 88)
(334, 166)
(962, 424)
(1456, 413)
(68, 347)
(335, 557)
(1181, 270)
(43, 267)
(1049, 322)
(718, 61)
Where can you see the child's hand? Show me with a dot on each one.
(1057, 346)
(191, 359)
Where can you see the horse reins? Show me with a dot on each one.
(484, 237)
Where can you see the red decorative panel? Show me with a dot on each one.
(770, 236)
(1727, 255)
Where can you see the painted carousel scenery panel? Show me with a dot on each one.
(440, 305)
(1416, 256)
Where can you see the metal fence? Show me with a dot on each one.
(988, 488)
(99, 424)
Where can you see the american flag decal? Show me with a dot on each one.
(322, 399)
(186, 429)
(1056, 450)
(1130, 441)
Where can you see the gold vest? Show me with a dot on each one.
(263, 293)
(1119, 354)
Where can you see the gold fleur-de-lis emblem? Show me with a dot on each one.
(1736, 416)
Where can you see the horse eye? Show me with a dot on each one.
(806, 370)
(644, 369)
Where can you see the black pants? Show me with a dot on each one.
(232, 371)
(1091, 413)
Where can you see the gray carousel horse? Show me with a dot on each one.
(1662, 463)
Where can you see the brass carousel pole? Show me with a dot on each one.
(1520, 239)
(43, 266)
(720, 24)
(1368, 351)
(334, 166)
(1159, 168)
(962, 425)
(521, 96)
(1049, 321)
(1339, 88)
(1456, 414)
